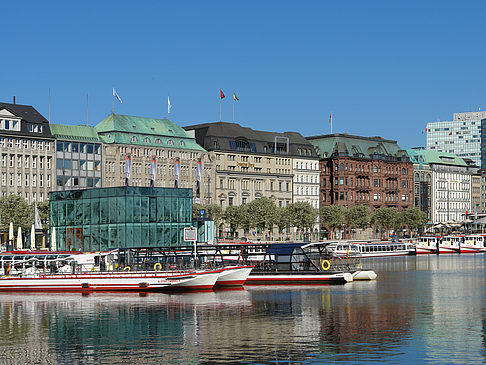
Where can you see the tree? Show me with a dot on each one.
(14, 208)
(414, 218)
(302, 216)
(282, 218)
(212, 211)
(359, 216)
(43, 208)
(387, 218)
(236, 217)
(333, 216)
(262, 213)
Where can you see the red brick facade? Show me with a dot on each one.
(377, 183)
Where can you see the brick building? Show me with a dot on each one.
(359, 170)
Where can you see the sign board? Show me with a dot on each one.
(190, 234)
(202, 212)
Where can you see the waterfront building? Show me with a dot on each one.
(252, 164)
(100, 219)
(137, 150)
(465, 136)
(78, 157)
(442, 185)
(27, 153)
(483, 190)
(356, 170)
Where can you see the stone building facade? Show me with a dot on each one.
(27, 165)
(137, 149)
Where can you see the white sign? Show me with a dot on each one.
(190, 234)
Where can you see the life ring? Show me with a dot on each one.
(128, 268)
(158, 266)
(325, 264)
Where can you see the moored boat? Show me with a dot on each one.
(474, 243)
(427, 245)
(450, 244)
(371, 249)
(231, 276)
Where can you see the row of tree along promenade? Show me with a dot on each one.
(299, 220)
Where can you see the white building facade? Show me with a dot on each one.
(306, 181)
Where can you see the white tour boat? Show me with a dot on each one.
(450, 244)
(371, 249)
(474, 243)
(427, 244)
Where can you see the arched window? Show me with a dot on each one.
(170, 142)
(147, 140)
(341, 167)
(404, 171)
(182, 143)
(158, 141)
(134, 139)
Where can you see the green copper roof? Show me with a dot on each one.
(126, 129)
(343, 144)
(74, 132)
(435, 157)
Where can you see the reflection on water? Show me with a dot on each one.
(425, 308)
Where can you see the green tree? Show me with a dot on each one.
(334, 216)
(387, 218)
(282, 218)
(14, 208)
(414, 218)
(302, 216)
(359, 216)
(262, 213)
(212, 211)
(43, 208)
(236, 217)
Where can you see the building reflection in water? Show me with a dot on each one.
(419, 308)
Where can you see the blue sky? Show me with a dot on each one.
(381, 67)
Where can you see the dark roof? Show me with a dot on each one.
(260, 142)
(29, 115)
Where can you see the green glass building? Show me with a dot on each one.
(119, 217)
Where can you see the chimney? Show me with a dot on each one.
(14, 99)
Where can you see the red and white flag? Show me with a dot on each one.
(221, 94)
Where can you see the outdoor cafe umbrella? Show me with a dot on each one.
(53, 239)
(19, 239)
(32, 237)
(11, 233)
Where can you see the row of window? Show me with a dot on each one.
(68, 164)
(307, 165)
(78, 147)
(307, 178)
(307, 191)
(21, 143)
(25, 161)
(25, 180)
(363, 168)
(28, 195)
(389, 184)
(78, 181)
(361, 196)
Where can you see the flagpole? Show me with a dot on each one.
(168, 108)
(233, 109)
(87, 114)
(220, 108)
(113, 102)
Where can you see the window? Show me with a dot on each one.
(375, 182)
(158, 141)
(170, 142)
(59, 147)
(147, 140)
(11, 161)
(17, 143)
(4, 179)
(34, 162)
(34, 180)
(26, 179)
(341, 181)
(19, 161)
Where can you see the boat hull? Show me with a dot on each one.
(425, 251)
(233, 276)
(297, 278)
(364, 275)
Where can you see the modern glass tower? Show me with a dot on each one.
(119, 217)
(465, 136)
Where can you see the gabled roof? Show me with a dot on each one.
(26, 112)
(343, 144)
(75, 132)
(435, 157)
(131, 130)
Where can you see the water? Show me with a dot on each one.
(424, 309)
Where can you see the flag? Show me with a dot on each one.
(168, 105)
(198, 182)
(221, 94)
(115, 95)
(152, 171)
(37, 221)
(450, 134)
(235, 98)
(330, 118)
(425, 130)
(177, 169)
(127, 169)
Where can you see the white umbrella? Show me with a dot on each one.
(32, 238)
(11, 232)
(19, 239)
(53, 239)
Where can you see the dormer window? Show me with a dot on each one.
(134, 139)
(147, 140)
(10, 125)
(35, 128)
(182, 144)
(170, 142)
(158, 141)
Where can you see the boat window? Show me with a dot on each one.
(51, 257)
(7, 258)
(18, 258)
